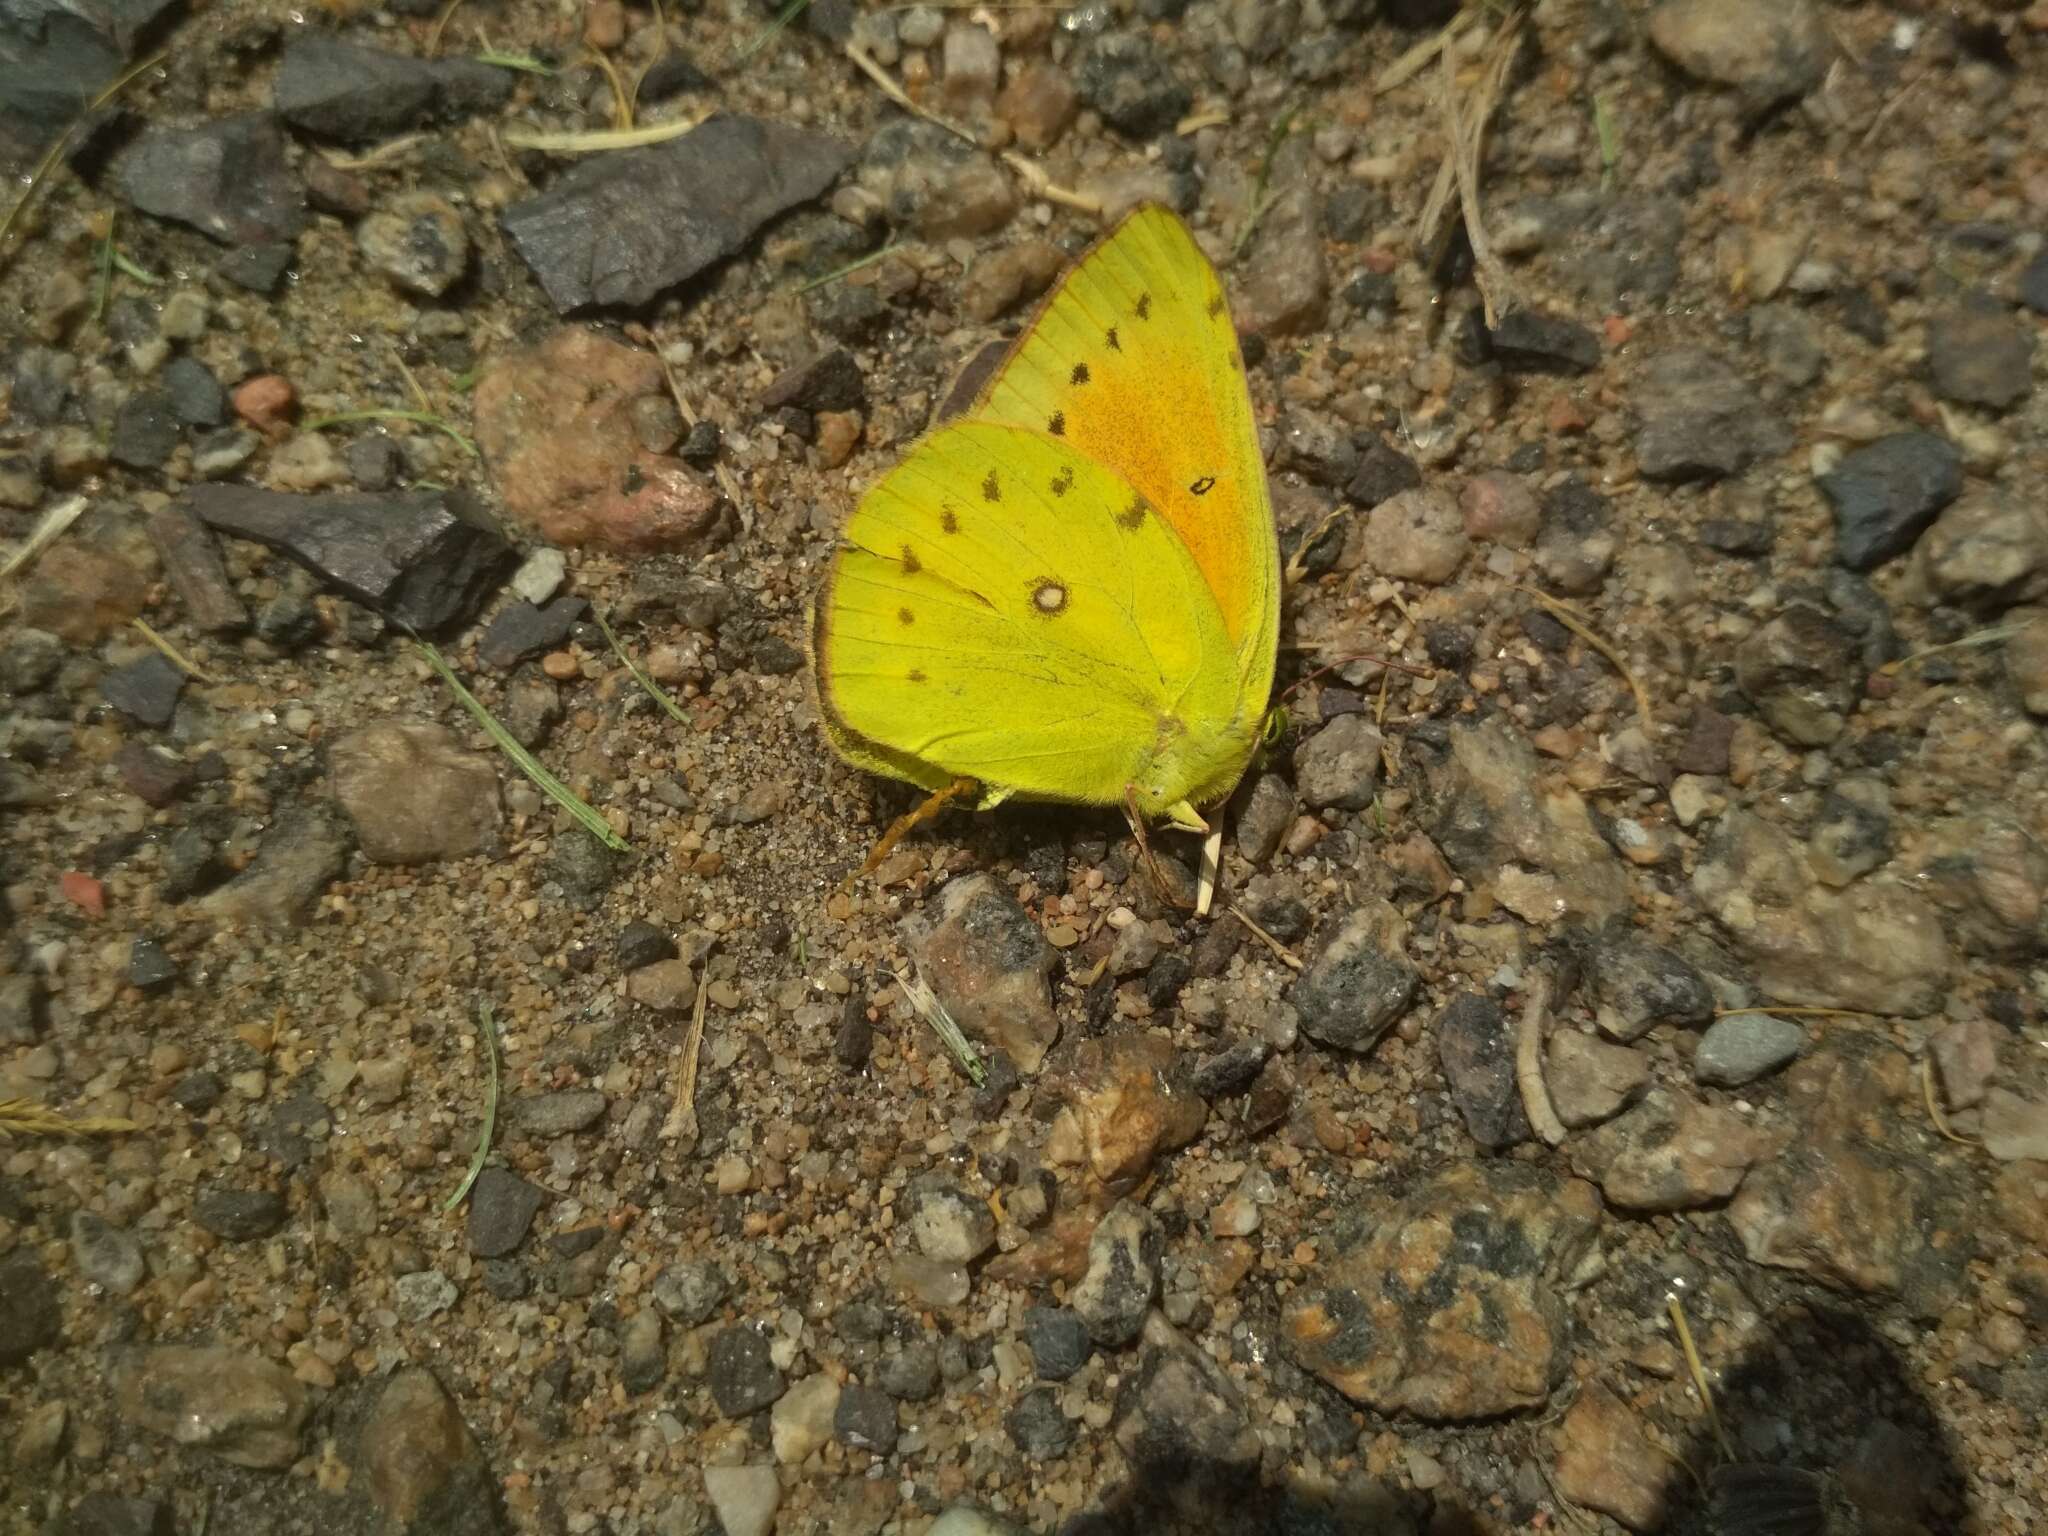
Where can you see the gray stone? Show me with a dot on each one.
(560, 1113)
(501, 1210)
(106, 1256)
(239, 1215)
(743, 1378)
(947, 1223)
(228, 179)
(1800, 670)
(865, 1419)
(1059, 1341)
(1361, 983)
(1126, 77)
(1638, 985)
(1981, 354)
(1477, 1052)
(244, 1409)
(1887, 492)
(1338, 768)
(1037, 1427)
(1701, 419)
(341, 90)
(1114, 1294)
(31, 1315)
(1743, 1047)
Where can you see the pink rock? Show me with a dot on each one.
(555, 423)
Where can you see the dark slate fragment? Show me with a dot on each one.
(501, 1209)
(1383, 471)
(55, 57)
(227, 179)
(642, 944)
(1534, 341)
(342, 90)
(1478, 1057)
(31, 1314)
(1887, 492)
(145, 690)
(671, 75)
(1981, 354)
(523, 630)
(426, 559)
(865, 1419)
(149, 967)
(258, 268)
(154, 774)
(1126, 77)
(624, 227)
(830, 381)
(145, 430)
(196, 397)
(2033, 286)
(743, 1378)
(239, 1215)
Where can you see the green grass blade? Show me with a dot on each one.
(423, 418)
(654, 689)
(529, 765)
(490, 1126)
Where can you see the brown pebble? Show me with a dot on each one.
(561, 665)
(604, 24)
(265, 401)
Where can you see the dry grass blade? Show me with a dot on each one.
(681, 1124)
(383, 154)
(1297, 563)
(1699, 1374)
(1575, 621)
(652, 689)
(1976, 639)
(440, 27)
(622, 100)
(1040, 184)
(489, 1029)
(1801, 1013)
(852, 266)
(1287, 956)
(173, 655)
(1417, 59)
(44, 534)
(925, 1003)
(25, 1117)
(726, 483)
(1205, 874)
(1466, 125)
(1529, 1064)
(529, 765)
(602, 138)
(1195, 122)
(769, 33)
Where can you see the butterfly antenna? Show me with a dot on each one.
(924, 811)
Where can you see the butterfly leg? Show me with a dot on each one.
(924, 811)
(1167, 893)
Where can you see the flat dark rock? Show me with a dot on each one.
(227, 179)
(622, 228)
(55, 57)
(1533, 341)
(191, 559)
(523, 630)
(425, 559)
(146, 691)
(1887, 492)
(342, 90)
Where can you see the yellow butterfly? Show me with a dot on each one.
(1072, 592)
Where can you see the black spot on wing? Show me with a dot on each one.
(1079, 375)
(1110, 337)
(911, 564)
(991, 488)
(1063, 482)
(1215, 303)
(949, 520)
(905, 616)
(1133, 516)
(1204, 486)
(914, 675)
(1057, 424)
(1144, 309)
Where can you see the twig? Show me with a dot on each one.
(1287, 956)
(1207, 117)
(440, 26)
(1529, 1064)
(681, 1124)
(172, 654)
(1041, 185)
(653, 689)
(927, 1006)
(1934, 1107)
(489, 1029)
(383, 154)
(25, 1117)
(1802, 1013)
(1972, 641)
(1468, 134)
(601, 138)
(1699, 1374)
(529, 765)
(45, 533)
(1575, 621)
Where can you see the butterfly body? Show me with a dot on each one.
(1071, 593)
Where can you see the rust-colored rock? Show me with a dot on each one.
(1131, 1102)
(1605, 1462)
(555, 423)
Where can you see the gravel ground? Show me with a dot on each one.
(1650, 927)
